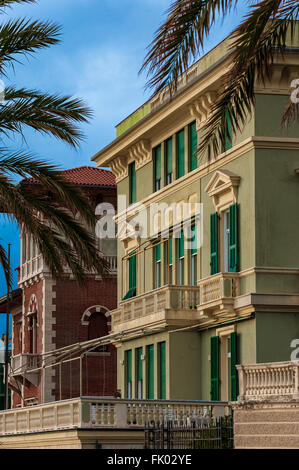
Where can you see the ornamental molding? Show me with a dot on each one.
(119, 167)
(94, 309)
(223, 188)
(201, 107)
(141, 153)
(280, 79)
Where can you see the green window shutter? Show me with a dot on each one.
(128, 366)
(214, 244)
(181, 245)
(228, 133)
(234, 372)
(170, 251)
(192, 146)
(133, 185)
(132, 278)
(194, 240)
(162, 360)
(158, 253)
(180, 153)
(233, 238)
(168, 156)
(157, 163)
(215, 368)
(132, 272)
(150, 371)
(139, 364)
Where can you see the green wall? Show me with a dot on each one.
(274, 333)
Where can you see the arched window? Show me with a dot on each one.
(32, 319)
(95, 318)
(97, 326)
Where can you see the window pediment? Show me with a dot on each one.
(223, 188)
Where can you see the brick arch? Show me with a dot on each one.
(94, 309)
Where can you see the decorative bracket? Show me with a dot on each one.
(200, 108)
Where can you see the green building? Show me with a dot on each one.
(198, 294)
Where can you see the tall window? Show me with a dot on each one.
(168, 161)
(180, 150)
(150, 371)
(168, 263)
(132, 277)
(157, 167)
(226, 244)
(139, 374)
(193, 257)
(181, 259)
(133, 184)
(192, 133)
(97, 327)
(157, 270)
(32, 332)
(162, 370)
(224, 384)
(128, 373)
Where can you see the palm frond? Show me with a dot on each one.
(67, 243)
(257, 41)
(180, 39)
(47, 114)
(21, 37)
(51, 178)
(9, 3)
(4, 262)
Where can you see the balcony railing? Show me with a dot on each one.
(165, 299)
(277, 379)
(112, 260)
(31, 268)
(36, 266)
(219, 286)
(98, 413)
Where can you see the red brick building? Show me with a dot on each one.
(58, 313)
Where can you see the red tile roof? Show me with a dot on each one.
(84, 175)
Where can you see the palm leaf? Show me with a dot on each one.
(47, 114)
(21, 37)
(180, 39)
(257, 41)
(4, 262)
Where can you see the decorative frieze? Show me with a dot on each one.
(141, 153)
(223, 188)
(201, 107)
(119, 167)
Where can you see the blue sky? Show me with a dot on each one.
(103, 45)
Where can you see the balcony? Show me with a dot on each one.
(212, 299)
(25, 365)
(269, 381)
(31, 268)
(166, 306)
(112, 261)
(97, 413)
(217, 295)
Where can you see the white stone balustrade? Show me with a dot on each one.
(262, 381)
(219, 286)
(157, 305)
(31, 268)
(98, 413)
